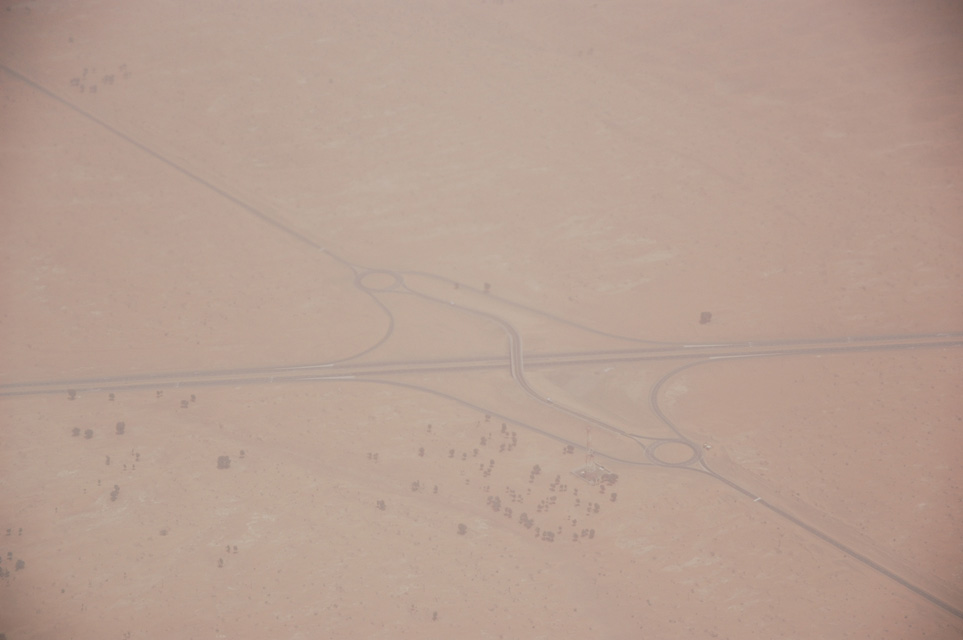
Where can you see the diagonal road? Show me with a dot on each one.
(515, 361)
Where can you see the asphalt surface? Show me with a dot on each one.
(380, 285)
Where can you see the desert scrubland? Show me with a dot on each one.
(309, 311)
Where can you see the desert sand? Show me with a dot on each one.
(309, 312)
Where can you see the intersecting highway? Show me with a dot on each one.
(516, 361)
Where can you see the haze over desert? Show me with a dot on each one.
(481, 319)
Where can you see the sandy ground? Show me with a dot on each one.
(483, 230)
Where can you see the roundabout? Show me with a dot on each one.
(673, 453)
(378, 281)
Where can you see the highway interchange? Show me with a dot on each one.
(384, 287)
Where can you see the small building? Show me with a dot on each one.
(595, 474)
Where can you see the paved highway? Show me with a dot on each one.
(514, 361)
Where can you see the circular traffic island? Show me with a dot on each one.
(378, 280)
(673, 453)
